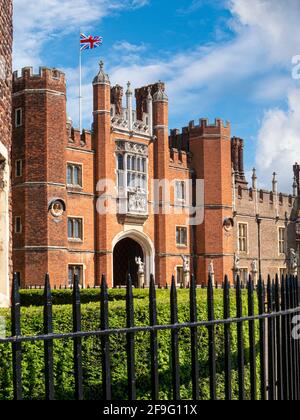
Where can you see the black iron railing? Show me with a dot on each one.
(273, 359)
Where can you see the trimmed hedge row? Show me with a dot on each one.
(35, 297)
(33, 364)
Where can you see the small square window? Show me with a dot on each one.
(75, 270)
(180, 191)
(181, 236)
(18, 117)
(74, 175)
(75, 230)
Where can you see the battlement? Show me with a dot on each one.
(204, 126)
(181, 139)
(265, 197)
(77, 139)
(46, 78)
(204, 123)
(179, 158)
(178, 140)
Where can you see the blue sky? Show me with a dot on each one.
(230, 59)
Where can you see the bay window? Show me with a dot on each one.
(132, 169)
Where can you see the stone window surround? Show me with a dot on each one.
(180, 200)
(82, 272)
(77, 240)
(181, 245)
(281, 242)
(73, 164)
(246, 252)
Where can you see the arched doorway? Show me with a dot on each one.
(125, 253)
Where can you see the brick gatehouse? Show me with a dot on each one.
(56, 170)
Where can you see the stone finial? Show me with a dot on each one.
(149, 97)
(102, 77)
(160, 95)
(254, 179)
(295, 187)
(129, 90)
(274, 183)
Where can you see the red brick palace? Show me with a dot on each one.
(59, 229)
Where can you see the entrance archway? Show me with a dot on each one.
(124, 256)
(138, 244)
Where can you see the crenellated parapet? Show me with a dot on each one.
(180, 158)
(49, 79)
(206, 127)
(181, 139)
(264, 200)
(77, 139)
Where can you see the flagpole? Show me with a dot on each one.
(80, 87)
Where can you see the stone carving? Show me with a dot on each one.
(211, 268)
(141, 265)
(131, 147)
(294, 260)
(186, 264)
(137, 202)
(236, 265)
(121, 120)
(254, 266)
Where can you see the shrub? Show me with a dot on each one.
(35, 297)
(33, 364)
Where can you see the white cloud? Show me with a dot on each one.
(278, 145)
(277, 25)
(35, 22)
(126, 46)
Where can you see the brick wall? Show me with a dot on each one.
(5, 70)
(5, 117)
(249, 205)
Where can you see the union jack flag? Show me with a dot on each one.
(90, 42)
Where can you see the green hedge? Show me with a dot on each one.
(35, 297)
(33, 365)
